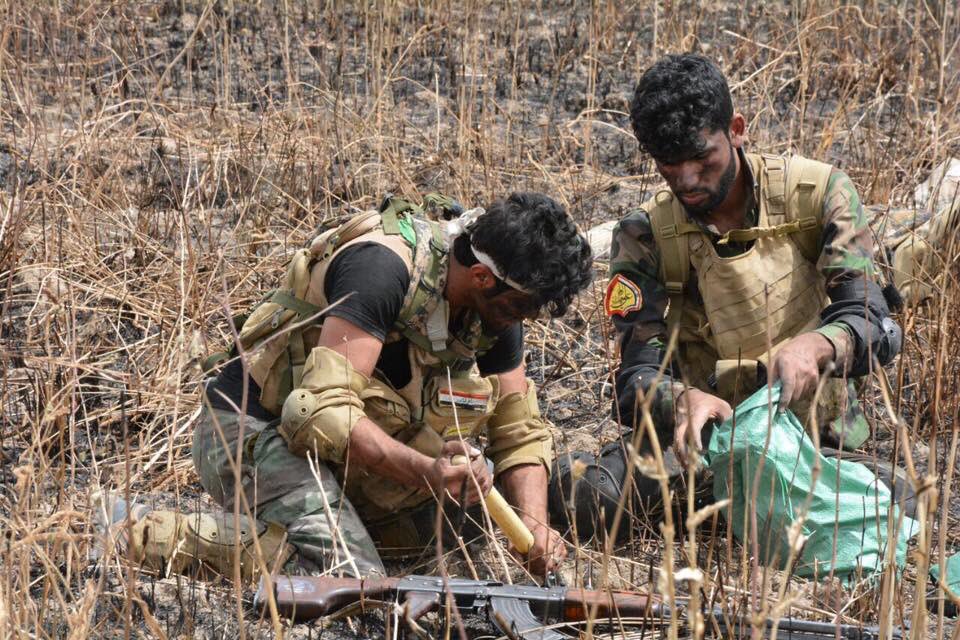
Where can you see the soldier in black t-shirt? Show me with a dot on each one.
(337, 423)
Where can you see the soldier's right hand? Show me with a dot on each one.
(452, 476)
(696, 408)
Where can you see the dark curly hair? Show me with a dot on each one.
(676, 99)
(534, 242)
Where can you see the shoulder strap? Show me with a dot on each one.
(390, 213)
(424, 296)
(436, 205)
(324, 245)
(806, 189)
(670, 229)
(793, 191)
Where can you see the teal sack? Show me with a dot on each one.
(847, 499)
(953, 572)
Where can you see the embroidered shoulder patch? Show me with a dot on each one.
(622, 297)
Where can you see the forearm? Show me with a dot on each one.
(371, 448)
(525, 487)
(859, 307)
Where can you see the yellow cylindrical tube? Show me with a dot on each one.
(508, 521)
(506, 518)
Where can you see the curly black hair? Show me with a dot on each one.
(535, 243)
(676, 99)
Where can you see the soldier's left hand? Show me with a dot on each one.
(547, 552)
(797, 365)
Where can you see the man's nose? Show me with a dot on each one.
(687, 176)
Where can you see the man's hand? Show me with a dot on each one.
(797, 365)
(547, 552)
(453, 477)
(694, 409)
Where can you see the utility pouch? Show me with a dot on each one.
(392, 414)
(386, 495)
(736, 379)
(385, 407)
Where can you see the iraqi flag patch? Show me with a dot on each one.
(463, 400)
(622, 297)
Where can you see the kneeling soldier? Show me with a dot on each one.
(393, 338)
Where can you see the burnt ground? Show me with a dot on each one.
(160, 160)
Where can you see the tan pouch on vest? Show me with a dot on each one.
(392, 414)
(736, 379)
(385, 407)
(381, 495)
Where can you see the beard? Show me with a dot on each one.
(717, 195)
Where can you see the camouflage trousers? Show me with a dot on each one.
(322, 525)
(281, 488)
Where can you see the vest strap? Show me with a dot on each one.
(352, 228)
(806, 184)
(296, 349)
(670, 230)
(679, 229)
(428, 291)
(288, 301)
(774, 184)
(754, 233)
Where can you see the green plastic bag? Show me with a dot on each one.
(847, 504)
(952, 580)
(953, 572)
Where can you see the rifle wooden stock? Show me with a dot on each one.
(307, 598)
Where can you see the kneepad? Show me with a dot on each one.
(167, 541)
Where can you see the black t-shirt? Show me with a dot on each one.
(366, 284)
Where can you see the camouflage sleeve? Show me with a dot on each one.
(636, 302)
(855, 317)
(847, 251)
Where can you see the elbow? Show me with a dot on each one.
(890, 342)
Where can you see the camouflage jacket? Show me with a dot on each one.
(845, 262)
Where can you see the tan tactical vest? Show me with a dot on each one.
(772, 289)
(445, 397)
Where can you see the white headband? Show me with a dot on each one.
(462, 224)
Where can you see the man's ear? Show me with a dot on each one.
(738, 130)
(481, 277)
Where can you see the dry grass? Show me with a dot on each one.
(160, 160)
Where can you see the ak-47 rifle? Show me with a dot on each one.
(519, 611)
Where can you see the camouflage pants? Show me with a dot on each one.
(280, 488)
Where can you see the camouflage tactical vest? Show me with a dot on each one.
(284, 328)
(771, 292)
